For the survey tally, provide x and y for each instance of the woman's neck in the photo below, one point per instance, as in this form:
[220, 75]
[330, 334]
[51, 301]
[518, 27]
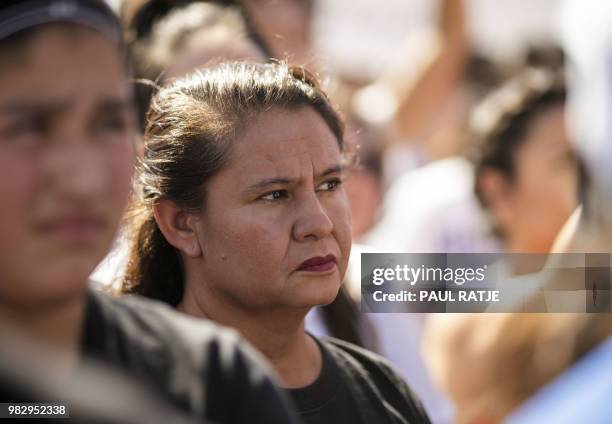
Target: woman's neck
[278, 334]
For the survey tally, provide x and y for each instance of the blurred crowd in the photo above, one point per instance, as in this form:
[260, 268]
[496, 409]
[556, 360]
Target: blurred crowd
[188, 186]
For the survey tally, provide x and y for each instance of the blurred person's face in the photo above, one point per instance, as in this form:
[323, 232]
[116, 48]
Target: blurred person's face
[275, 230]
[200, 49]
[365, 196]
[532, 207]
[364, 187]
[66, 158]
[283, 24]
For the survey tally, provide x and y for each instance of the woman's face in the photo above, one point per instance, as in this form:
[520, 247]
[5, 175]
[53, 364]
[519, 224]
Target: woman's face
[283, 24]
[275, 229]
[66, 159]
[202, 47]
[543, 193]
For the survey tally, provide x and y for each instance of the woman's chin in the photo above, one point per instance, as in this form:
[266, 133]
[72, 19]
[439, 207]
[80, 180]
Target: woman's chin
[316, 294]
[37, 291]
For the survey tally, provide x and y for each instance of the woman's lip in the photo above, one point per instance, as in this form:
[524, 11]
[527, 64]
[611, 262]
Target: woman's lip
[74, 229]
[318, 264]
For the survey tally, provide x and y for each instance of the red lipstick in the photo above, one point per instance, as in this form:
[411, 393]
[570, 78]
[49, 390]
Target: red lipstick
[318, 264]
[74, 229]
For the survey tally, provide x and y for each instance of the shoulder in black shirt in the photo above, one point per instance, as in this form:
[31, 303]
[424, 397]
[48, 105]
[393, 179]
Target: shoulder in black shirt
[206, 371]
[356, 386]
[92, 393]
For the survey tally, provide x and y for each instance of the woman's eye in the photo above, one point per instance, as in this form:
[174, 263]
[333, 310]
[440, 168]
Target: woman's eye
[111, 125]
[27, 128]
[330, 185]
[275, 195]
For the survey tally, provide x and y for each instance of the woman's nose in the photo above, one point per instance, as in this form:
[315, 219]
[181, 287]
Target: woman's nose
[312, 221]
[76, 171]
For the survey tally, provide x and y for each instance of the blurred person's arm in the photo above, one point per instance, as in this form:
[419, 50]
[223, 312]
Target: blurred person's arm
[440, 76]
[567, 236]
[490, 364]
[417, 101]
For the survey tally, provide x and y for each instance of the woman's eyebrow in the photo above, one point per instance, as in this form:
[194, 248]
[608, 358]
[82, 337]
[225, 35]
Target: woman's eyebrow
[335, 169]
[24, 107]
[263, 184]
[53, 107]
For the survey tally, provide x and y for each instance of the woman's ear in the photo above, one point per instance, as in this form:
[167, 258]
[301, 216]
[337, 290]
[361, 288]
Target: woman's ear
[495, 189]
[178, 226]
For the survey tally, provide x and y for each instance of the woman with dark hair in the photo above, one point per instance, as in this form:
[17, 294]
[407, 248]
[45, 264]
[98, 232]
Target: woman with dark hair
[241, 218]
[527, 174]
[66, 160]
[172, 39]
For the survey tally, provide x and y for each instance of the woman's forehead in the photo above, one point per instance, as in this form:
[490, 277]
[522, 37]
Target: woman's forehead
[285, 133]
[547, 131]
[28, 48]
[56, 61]
[285, 144]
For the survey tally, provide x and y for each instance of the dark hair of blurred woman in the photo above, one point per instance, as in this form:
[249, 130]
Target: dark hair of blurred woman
[527, 174]
[67, 153]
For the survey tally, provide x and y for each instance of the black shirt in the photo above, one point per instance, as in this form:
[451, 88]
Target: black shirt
[90, 394]
[206, 371]
[356, 387]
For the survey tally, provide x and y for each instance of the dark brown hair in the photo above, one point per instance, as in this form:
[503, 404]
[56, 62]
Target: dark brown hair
[188, 137]
[14, 48]
[501, 122]
[157, 30]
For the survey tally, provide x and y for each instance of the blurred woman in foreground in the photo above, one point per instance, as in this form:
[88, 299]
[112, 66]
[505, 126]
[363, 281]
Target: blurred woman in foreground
[67, 128]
